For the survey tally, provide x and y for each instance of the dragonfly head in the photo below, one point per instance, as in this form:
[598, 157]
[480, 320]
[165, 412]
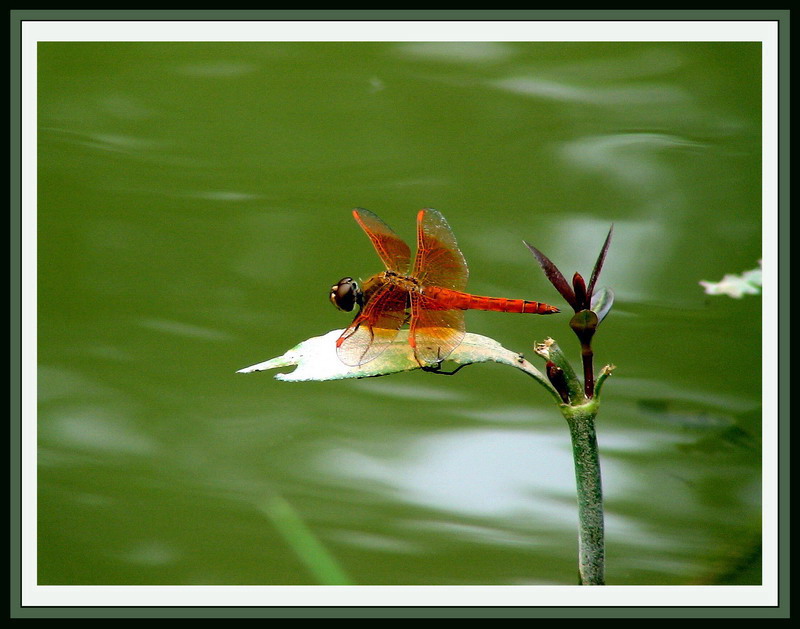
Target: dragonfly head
[345, 294]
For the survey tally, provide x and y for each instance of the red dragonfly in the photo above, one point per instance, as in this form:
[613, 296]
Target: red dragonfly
[430, 298]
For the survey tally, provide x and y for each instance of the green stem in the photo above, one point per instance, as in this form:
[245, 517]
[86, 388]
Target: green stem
[587, 355]
[537, 375]
[605, 372]
[591, 545]
[550, 350]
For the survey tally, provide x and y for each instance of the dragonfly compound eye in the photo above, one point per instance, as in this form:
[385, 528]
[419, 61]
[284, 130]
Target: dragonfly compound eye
[345, 294]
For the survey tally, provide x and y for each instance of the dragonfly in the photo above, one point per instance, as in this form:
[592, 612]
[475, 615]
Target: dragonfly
[429, 296]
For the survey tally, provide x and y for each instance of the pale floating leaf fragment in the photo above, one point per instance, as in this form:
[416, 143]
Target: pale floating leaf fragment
[316, 359]
[736, 286]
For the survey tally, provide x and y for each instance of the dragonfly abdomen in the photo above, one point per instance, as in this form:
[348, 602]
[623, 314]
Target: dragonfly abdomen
[457, 300]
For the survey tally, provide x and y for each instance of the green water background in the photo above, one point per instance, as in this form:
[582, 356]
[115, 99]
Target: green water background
[193, 212]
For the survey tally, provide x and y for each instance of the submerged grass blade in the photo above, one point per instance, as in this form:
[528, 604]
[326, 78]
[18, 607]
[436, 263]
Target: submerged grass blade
[311, 552]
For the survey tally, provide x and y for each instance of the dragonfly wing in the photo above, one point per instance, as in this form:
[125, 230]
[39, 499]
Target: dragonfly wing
[375, 327]
[390, 247]
[435, 331]
[439, 261]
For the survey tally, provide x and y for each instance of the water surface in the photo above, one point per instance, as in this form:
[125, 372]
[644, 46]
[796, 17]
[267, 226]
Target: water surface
[194, 210]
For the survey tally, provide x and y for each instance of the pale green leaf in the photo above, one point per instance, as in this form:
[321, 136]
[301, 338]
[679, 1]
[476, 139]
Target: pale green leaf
[316, 359]
[602, 300]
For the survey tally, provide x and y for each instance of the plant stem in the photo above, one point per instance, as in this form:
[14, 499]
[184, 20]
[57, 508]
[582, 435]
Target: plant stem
[591, 546]
[549, 350]
[587, 356]
[537, 375]
[605, 372]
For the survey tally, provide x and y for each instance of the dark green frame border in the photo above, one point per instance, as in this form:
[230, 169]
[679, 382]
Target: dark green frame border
[781, 17]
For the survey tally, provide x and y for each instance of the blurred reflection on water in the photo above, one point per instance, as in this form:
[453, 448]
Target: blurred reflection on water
[478, 474]
[193, 211]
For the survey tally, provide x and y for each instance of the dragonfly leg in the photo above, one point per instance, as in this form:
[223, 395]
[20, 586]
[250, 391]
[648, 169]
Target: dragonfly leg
[437, 369]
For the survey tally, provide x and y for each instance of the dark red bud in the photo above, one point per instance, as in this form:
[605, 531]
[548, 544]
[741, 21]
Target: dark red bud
[579, 286]
[557, 378]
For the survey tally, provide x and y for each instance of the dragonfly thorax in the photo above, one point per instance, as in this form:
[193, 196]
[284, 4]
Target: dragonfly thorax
[345, 294]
